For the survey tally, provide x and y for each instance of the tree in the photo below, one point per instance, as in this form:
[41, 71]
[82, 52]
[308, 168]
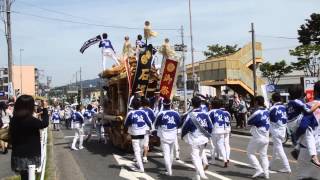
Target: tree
[216, 50]
[308, 51]
[273, 72]
[309, 33]
[308, 59]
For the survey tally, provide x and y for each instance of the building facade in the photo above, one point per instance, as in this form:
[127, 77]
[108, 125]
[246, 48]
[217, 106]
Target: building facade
[4, 83]
[24, 79]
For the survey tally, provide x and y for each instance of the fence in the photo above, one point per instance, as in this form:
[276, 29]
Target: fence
[41, 169]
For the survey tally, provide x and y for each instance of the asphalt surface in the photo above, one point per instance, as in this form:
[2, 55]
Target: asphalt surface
[5, 165]
[100, 161]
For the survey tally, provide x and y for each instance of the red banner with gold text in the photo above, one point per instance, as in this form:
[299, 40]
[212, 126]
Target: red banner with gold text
[168, 77]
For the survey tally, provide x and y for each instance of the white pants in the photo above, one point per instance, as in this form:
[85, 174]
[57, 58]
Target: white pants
[137, 145]
[177, 147]
[227, 145]
[167, 149]
[258, 146]
[197, 157]
[305, 169]
[212, 148]
[278, 152]
[308, 140]
[219, 141]
[77, 135]
[106, 55]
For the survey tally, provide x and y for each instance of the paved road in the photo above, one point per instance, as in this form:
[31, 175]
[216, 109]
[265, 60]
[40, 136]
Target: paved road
[100, 161]
[5, 169]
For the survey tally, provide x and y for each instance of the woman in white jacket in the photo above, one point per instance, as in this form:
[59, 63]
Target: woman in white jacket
[5, 118]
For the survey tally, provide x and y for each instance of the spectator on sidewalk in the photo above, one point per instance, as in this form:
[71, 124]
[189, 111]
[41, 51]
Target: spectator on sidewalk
[67, 117]
[242, 113]
[5, 116]
[25, 135]
[235, 109]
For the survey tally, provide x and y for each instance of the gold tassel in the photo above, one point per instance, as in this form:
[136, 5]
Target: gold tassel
[148, 33]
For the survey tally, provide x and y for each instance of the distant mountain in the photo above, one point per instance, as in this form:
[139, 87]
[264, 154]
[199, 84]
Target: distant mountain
[97, 82]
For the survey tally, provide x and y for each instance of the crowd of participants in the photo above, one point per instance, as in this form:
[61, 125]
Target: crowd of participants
[208, 125]
[84, 120]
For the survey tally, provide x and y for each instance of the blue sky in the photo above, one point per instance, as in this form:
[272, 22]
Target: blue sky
[54, 46]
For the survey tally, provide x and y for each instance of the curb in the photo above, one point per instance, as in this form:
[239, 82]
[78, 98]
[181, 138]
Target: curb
[244, 133]
[50, 168]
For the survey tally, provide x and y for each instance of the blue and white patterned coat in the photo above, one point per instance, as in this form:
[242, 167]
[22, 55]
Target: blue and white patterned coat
[191, 134]
[137, 122]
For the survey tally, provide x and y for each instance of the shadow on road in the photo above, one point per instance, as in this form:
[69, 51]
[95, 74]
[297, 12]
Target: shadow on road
[95, 147]
[235, 174]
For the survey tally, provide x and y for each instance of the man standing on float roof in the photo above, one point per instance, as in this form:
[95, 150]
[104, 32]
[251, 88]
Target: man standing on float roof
[107, 50]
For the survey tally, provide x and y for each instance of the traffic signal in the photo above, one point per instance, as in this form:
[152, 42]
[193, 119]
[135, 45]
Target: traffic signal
[17, 92]
[79, 96]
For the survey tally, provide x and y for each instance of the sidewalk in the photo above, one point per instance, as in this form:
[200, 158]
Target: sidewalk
[66, 166]
[5, 165]
[240, 131]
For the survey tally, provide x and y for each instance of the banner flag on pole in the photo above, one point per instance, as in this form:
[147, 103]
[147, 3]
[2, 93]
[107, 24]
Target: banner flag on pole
[168, 78]
[89, 43]
[128, 70]
[141, 78]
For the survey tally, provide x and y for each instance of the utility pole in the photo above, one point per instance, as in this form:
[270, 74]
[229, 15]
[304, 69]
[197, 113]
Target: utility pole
[8, 36]
[184, 72]
[192, 55]
[21, 71]
[81, 92]
[254, 60]
[77, 79]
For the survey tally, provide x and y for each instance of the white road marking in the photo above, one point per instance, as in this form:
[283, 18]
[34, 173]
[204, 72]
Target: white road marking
[239, 162]
[66, 137]
[126, 174]
[241, 136]
[207, 172]
[130, 174]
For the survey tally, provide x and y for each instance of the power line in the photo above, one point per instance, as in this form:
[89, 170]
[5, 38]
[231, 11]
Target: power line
[89, 22]
[71, 21]
[54, 11]
[279, 48]
[277, 37]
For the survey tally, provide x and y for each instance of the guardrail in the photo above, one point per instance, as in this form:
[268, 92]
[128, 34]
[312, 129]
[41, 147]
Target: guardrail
[41, 169]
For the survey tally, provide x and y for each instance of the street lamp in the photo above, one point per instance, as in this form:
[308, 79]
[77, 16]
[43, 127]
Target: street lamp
[192, 54]
[21, 70]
